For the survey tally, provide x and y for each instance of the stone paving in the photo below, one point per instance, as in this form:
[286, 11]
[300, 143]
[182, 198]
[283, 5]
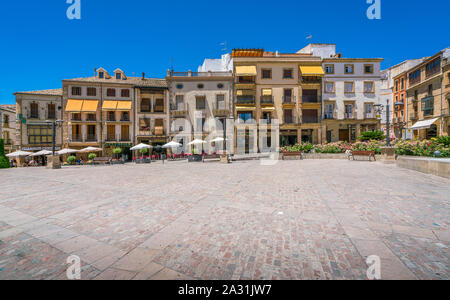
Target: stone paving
[310, 219]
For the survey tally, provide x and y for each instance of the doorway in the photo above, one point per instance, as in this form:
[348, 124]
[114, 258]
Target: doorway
[344, 135]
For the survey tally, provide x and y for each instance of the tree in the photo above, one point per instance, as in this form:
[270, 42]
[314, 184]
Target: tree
[117, 151]
[372, 135]
[4, 161]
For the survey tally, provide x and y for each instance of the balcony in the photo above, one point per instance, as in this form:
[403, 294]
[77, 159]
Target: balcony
[288, 100]
[111, 138]
[125, 119]
[370, 115]
[91, 119]
[221, 112]
[399, 103]
[125, 138]
[91, 138]
[289, 120]
[76, 138]
[111, 119]
[310, 79]
[414, 116]
[158, 109]
[33, 115]
[349, 116]
[51, 116]
[75, 118]
[310, 99]
[310, 120]
[245, 100]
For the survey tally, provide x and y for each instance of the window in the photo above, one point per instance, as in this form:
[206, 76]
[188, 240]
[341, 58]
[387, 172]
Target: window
[200, 102]
[125, 116]
[329, 87]
[144, 124]
[402, 84]
[111, 116]
[369, 110]
[310, 96]
[266, 73]
[125, 93]
[6, 121]
[220, 86]
[368, 69]
[200, 85]
[349, 87]
[145, 105]
[428, 106]
[430, 90]
[329, 111]
[101, 75]
[349, 69]
[76, 117]
[51, 111]
[111, 92]
[368, 87]
[76, 91]
[39, 134]
[288, 116]
[288, 73]
[396, 85]
[414, 77]
[433, 67]
[220, 99]
[416, 95]
[91, 117]
[91, 134]
[179, 86]
[329, 69]
[179, 102]
[310, 116]
[34, 110]
[200, 124]
[91, 91]
[159, 105]
[287, 96]
[118, 76]
[267, 116]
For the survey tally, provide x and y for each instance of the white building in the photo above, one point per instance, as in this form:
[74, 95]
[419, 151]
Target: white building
[8, 126]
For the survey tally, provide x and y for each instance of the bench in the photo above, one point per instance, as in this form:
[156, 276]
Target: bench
[103, 160]
[369, 154]
[292, 154]
[210, 156]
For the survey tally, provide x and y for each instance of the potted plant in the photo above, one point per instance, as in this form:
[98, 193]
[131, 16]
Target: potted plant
[71, 160]
[91, 157]
[117, 152]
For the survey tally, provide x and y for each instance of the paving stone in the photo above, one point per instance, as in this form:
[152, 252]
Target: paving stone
[136, 260]
[114, 274]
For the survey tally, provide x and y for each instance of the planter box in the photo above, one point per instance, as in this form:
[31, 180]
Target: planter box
[435, 166]
[292, 156]
[195, 158]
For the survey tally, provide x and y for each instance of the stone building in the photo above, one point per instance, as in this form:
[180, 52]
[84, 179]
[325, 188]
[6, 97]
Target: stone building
[200, 103]
[351, 89]
[8, 127]
[276, 94]
[33, 109]
[428, 97]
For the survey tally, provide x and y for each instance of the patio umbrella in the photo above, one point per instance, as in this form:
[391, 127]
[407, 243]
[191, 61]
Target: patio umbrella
[172, 144]
[40, 153]
[197, 142]
[91, 149]
[18, 154]
[67, 151]
[217, 139]
[141, 146]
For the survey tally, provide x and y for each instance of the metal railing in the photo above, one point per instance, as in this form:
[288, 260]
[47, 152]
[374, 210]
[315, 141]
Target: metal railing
[310, 99]
[245, 100]
[266, 99]
[289, 99]
[76, 138]
[328, 116]
[91, 138]
[348, 115]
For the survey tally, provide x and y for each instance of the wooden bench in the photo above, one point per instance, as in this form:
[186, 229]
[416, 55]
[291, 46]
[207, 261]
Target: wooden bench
[210, 156]
[103, 160]
[291, 154]
[362, 153]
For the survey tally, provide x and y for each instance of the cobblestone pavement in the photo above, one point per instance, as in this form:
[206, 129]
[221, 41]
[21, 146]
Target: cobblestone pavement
[311, 219]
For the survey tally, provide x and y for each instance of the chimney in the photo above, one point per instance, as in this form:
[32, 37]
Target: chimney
[143, 75]
[95, 71]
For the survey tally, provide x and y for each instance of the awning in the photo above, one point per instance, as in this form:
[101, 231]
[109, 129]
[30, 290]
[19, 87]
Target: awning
[245, 93]
[74, 105]
[267, 92]
[123, 105]
[268, 108]
[312, 71]
[245, 108]
[109, 105]
[89, 106]
[424, 124]
[246, 71]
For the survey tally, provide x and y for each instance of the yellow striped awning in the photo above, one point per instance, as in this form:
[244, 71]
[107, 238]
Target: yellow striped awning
[246, 71]
[89, 106]
[74, 105]
[312, 71]
[109, 105]
[123, 105]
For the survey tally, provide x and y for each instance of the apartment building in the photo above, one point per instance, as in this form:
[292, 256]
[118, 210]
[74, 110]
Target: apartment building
[200, 104]
[34, 109]
[100, 111]
[428, 96]
[285, 87]
[8, 126]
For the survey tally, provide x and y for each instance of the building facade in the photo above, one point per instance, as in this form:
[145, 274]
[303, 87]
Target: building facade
[200, 104]
[428, 100]
[277, 99]
[34, 109]
[8, 127]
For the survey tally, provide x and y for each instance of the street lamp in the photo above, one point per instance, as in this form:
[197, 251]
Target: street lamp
[54, 123]
[379, 108]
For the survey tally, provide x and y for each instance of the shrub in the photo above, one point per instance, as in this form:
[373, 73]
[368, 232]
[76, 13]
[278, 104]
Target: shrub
[71, 159]
[372, 135]
[444, 140]
[4, 161]
[91, 156]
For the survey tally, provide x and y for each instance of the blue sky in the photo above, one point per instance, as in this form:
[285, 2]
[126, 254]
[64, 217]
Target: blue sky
[40, 46]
